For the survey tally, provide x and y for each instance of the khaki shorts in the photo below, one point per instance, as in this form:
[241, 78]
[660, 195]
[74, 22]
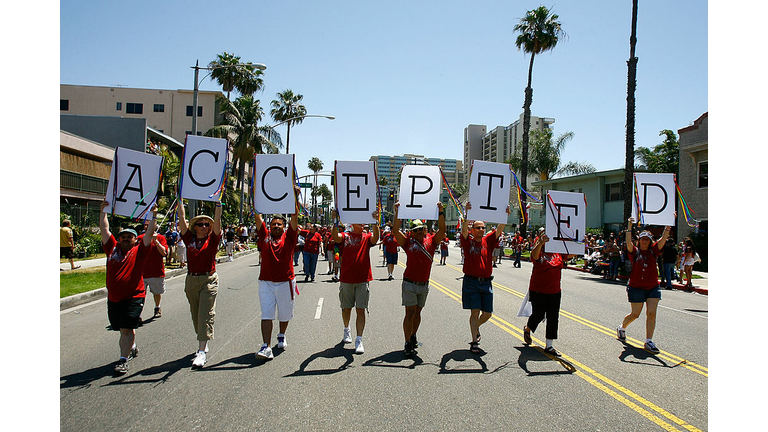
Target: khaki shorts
[354, 295]
[155, 285]
[415, 294]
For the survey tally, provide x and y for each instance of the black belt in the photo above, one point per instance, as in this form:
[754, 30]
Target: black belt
[416, 283]
[479, 279]
[210, 273]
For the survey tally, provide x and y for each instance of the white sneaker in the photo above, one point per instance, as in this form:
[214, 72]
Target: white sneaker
[359, 346]
[265, 352]
[347, 335]
[281, 343]
[200, 359]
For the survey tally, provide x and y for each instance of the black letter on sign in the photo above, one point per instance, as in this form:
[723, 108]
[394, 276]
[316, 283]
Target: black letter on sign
[192, 161]
[487, 206]
[645, 198]
[356, 191]
[413, 189]
[140, 190]
[567, 222]
[263, 176]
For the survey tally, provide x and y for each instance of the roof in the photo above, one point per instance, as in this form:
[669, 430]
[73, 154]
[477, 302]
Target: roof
[163, 138]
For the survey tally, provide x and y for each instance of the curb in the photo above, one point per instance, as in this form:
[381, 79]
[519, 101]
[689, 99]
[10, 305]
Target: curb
[97, 294]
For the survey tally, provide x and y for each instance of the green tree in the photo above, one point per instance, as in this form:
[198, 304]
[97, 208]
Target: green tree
[664, 157]
[314, 164]
[246, 79]
[540, 31]
[544, 157]
[288, 108]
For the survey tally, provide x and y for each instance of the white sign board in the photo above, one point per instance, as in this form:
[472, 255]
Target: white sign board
[565, 223]
[204, 162]
[356, 191]
[273, 184]
[489, 187]
[656, 195]
[133, 183]
[419, 192]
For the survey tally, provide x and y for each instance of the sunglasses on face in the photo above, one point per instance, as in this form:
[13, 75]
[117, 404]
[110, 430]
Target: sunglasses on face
[480, 228]
[203, 224]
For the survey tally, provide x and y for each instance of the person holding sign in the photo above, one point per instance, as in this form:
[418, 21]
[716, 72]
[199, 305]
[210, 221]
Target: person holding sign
[544, 292]
[201, 238]
[419, 248]
[355, 275]
[125, 284]
[643, 286]
[277, 282]
[476, 290]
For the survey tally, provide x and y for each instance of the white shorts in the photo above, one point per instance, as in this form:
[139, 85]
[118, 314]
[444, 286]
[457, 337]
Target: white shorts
[155, 285]
[276, 295]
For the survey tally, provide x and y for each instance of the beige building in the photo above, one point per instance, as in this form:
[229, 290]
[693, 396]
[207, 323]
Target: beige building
[167, 111]
[693, 177]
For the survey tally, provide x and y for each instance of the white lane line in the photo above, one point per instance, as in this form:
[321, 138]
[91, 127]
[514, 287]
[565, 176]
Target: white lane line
[319, 310]
[685, 312]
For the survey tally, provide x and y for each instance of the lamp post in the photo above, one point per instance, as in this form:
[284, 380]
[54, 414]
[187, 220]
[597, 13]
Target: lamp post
[196, 88]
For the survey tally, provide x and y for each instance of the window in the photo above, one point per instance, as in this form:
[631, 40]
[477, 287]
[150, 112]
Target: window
[134, 108]
[703, 175]
[64, 104]
[119, 106]
[613, 192]
[199, 111]
[159, 108]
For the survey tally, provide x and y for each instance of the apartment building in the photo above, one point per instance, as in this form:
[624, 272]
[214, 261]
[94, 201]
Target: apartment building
[693, 177]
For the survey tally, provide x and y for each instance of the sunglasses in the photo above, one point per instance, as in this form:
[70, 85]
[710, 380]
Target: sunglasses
[480, 228]
[203, 224]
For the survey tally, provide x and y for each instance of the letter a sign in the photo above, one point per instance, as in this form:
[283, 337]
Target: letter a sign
[356, 191]
[133, 182]
[203, 168]
[489, 186]
[655, 194]
[273, 184]
[419, 192]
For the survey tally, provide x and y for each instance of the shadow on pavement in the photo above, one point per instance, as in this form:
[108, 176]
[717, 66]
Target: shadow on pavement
[461, 356]
[640, 355]
[537, 354]
[337, 351]
[395, 359]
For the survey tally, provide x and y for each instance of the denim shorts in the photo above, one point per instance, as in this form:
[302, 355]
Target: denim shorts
[637, 295]
[477, 295]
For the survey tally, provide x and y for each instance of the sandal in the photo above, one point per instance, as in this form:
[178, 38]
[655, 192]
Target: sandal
[527, 335]
[478, 337]
[474, 348]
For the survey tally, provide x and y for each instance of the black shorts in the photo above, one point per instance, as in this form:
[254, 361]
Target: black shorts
[67, 252]
[125, 314]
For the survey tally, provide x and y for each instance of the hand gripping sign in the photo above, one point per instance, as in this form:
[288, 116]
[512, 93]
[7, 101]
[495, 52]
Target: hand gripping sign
[273, 184]
[356, 191]
[489, 186]
[565, 223]
[203, 168]
[419, 192]
[654, 195]
[133, 183]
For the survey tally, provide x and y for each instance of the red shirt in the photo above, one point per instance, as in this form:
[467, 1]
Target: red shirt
[155, 265]
[312, 242]
[644, 274]
[277, 255]
[546, 274]
[478, 256]
[444, 243]
[390, 243]
[419, 264]
[124, 271]
[201, 253]
[355, 258]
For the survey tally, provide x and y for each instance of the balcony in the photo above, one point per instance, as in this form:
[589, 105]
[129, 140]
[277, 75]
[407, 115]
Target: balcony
[82, 182]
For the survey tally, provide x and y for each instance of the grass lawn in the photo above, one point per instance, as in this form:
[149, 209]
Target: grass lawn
[78, 281]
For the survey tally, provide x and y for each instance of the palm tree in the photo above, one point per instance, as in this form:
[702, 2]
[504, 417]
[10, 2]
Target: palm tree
[314, 164]
[545, 156]
[245, 79]
[286, 108]
[630, 145]
[540, 31]
[241, 128]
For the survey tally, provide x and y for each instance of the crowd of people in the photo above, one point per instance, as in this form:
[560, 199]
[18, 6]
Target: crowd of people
[136, 266]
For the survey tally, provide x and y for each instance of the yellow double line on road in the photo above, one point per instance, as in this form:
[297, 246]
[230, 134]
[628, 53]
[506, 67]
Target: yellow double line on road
[629, 398]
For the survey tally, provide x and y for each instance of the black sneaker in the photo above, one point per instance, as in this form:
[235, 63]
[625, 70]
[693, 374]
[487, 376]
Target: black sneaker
[134, 353]
[121, 368]
[414, 341]
[408, 350]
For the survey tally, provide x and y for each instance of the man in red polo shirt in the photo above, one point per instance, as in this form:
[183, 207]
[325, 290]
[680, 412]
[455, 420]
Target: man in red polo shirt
[419, 247]
[125, 285]
[476, 289]
[154, 269]
[277, 283]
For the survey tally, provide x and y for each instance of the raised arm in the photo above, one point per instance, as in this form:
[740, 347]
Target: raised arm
[441, 227]
[182, 217]
[335, 235]
[295, 216]
[217, 219]
[628, 238]
[465, 223]
[104, 223]
[151, 227]
[376, 230]
[396, 227]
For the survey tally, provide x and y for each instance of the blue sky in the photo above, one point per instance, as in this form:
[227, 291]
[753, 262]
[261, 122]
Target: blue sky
[408, 77]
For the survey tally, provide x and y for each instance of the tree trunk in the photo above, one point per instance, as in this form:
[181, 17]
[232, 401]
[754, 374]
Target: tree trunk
[526, 130]
[629, 166]
[288, 139]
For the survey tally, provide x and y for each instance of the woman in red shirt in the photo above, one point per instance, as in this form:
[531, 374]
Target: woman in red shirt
[643, 286]
[202, 239]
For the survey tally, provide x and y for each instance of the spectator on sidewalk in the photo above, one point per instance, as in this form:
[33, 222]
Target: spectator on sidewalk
[689, 255]
[668, 261]
[154, 269]
[643, 286]
[67, 243]
[201, 286]
[126, 257]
